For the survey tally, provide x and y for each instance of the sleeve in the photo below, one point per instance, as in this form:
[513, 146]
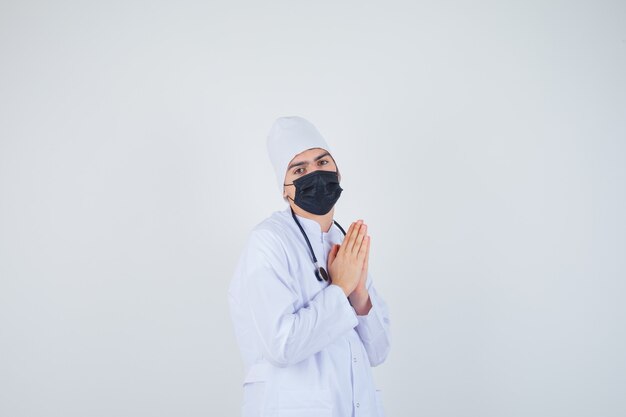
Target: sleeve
[286, 335]
[374, 328]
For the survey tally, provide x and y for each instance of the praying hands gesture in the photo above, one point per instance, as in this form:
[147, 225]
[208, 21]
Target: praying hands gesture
[347, 264]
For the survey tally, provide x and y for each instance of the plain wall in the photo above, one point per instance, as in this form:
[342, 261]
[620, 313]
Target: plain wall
[483, 143]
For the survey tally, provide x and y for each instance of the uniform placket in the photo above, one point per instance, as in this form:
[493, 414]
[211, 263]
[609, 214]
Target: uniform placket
[324, 252]
[355, 365]
[356, 360]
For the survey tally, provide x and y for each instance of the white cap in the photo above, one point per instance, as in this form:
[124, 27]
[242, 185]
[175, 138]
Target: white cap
[288, 137]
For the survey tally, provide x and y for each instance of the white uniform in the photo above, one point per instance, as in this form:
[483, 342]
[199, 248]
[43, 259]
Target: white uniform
[305, 350]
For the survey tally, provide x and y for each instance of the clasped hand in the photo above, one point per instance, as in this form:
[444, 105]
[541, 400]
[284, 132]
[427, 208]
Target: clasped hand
[347, 263]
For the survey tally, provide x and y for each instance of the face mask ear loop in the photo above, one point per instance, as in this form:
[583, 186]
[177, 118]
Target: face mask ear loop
[287, 185]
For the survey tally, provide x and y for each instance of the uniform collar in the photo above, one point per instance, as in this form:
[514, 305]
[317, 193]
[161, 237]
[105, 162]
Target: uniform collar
[313, 228]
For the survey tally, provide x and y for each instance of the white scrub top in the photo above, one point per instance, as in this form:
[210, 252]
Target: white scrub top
[306, 352]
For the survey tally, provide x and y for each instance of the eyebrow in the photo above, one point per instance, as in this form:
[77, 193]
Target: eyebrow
[317, 158]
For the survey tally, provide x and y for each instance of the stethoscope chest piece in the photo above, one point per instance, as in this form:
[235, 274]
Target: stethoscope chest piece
[321, 274]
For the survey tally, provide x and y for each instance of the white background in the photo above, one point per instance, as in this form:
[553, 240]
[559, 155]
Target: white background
[483, 142]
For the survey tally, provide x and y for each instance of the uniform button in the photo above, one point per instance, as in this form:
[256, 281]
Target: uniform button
[354, 359]
[358, 405]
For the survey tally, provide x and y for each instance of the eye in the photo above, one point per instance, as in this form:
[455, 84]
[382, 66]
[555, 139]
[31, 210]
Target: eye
[322, 162]
[298, 171]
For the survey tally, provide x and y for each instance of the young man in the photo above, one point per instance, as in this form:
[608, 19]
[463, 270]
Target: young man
[307, 317]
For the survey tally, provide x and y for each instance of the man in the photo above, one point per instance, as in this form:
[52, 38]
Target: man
[307, 317]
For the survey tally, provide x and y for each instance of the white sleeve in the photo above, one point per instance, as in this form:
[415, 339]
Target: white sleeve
[374, 328]
[287, 336]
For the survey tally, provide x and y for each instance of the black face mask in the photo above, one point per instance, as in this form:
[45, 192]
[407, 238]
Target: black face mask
[317, 192]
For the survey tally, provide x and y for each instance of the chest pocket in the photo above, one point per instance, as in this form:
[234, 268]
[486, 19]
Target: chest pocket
[305, 403]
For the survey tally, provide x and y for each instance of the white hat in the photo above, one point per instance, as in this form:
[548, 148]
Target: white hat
[288, 137]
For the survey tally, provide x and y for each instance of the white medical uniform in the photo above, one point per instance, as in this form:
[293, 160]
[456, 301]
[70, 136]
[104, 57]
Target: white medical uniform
[306, 351]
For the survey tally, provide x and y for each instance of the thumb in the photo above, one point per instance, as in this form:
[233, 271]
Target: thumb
[333, 253]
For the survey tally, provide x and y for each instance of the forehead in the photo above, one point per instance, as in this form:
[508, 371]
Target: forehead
[308, 155]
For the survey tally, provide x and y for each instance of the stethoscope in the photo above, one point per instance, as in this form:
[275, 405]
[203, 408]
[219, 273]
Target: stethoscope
[320, 272]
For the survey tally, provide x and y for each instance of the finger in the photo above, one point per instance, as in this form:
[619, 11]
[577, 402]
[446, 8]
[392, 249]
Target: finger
[358, 242]
[346, 238]
[352, 236]
[364, 249]
[367, 253]
[333, 254]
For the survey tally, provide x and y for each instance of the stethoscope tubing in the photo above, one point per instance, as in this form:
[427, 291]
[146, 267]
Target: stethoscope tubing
[320, 272]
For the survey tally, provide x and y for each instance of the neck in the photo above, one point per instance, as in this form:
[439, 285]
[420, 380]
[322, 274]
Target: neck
[325, 221]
